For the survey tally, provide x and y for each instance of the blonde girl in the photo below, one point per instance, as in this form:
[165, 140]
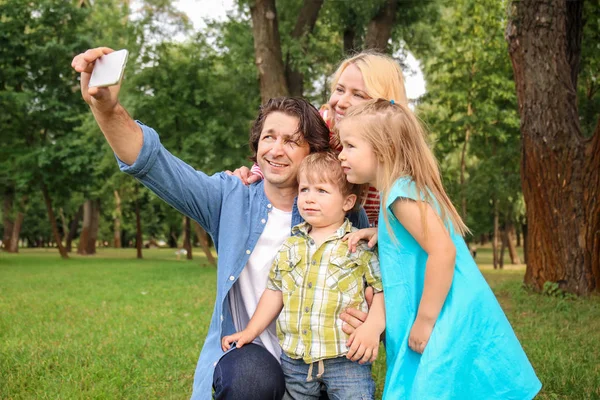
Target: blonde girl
[446, 335]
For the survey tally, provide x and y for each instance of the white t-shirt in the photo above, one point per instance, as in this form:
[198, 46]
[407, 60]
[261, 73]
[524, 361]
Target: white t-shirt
[246, 292]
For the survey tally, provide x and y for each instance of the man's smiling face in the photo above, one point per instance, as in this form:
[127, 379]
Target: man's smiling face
[281, 149]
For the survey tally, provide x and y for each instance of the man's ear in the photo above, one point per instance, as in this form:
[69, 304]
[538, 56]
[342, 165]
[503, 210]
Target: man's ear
[349, 202]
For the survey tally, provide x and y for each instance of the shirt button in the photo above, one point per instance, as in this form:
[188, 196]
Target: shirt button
[306, 309]
[248, 251]
[222, 318]
[215, 364]
[314, 262]
[269, 206]
[304, 332]
[263, 220]
[310, 285]
[232, 278]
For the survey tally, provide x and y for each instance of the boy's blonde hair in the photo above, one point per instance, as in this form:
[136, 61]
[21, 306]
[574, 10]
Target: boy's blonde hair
[325, 167]
[381, 73]
[400, 144]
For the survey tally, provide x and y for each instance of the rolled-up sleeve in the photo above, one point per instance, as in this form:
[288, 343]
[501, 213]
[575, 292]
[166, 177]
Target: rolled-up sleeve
[191, 192]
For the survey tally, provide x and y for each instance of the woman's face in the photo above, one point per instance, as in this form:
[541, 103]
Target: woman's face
[349, 91]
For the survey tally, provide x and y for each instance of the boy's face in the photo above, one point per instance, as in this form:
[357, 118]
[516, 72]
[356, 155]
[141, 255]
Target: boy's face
[321, 203]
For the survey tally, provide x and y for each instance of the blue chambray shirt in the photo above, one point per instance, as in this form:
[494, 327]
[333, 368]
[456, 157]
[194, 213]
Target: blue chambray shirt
[233, 214]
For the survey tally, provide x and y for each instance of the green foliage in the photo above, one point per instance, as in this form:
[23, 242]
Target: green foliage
[588, 82]
[470, 89]
[195, 98]
[553, 289]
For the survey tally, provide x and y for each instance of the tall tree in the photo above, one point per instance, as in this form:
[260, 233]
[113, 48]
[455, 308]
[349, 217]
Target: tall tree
[471, 109]
[267, 50]
[294, 40]
[560, 166]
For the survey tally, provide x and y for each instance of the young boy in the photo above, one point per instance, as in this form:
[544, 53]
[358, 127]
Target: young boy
[314, 278]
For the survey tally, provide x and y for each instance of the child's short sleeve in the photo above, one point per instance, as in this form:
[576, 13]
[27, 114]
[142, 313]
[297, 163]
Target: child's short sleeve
[403, 188]
[372, 272]
[274, 281]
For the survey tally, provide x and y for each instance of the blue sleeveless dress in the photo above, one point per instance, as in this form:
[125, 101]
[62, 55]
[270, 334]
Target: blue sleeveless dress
[473, 352]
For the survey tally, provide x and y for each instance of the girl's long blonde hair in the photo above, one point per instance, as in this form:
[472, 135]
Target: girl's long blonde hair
[400, 144]
[381, 73]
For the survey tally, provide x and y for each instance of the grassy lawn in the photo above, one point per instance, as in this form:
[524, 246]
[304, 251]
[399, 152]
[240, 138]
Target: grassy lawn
[113, 327]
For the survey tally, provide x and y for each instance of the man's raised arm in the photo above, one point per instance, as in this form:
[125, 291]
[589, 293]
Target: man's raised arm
[122, 133]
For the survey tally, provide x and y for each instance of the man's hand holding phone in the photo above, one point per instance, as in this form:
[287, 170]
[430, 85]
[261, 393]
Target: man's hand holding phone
[100, 88]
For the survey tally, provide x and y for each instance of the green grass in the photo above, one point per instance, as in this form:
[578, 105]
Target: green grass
[113, 327]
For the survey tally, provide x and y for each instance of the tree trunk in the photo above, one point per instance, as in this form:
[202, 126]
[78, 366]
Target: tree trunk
[379, 30]
[52, 218]
[484, 239]
[349, 38]
[6, 221]
[496, 237]
[93, 233]
[524, 230]
[73, 228]
[63, 221]
[173, 238]
[304, 27]
[509, 233]
[463, 159]
[203, 238]
[518, 235]
[267, 50]
[503, 245]
[560, 169]
[138, 224]
[187, 237]
[86, 225]
[117, 221]
[16, 232]
[463, 168]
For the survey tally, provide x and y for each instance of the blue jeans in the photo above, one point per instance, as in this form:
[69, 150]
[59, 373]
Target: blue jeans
[249, 373]
[343, 379]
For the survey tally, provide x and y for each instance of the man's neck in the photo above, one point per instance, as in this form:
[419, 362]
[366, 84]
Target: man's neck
[281, 198]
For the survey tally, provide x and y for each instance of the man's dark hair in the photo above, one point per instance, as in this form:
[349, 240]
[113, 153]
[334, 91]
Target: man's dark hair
[311, 127]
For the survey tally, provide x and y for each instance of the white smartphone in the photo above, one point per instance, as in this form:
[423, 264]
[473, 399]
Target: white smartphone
[108, 69]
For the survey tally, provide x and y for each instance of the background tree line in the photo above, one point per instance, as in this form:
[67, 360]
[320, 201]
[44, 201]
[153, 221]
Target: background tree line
[492, 131]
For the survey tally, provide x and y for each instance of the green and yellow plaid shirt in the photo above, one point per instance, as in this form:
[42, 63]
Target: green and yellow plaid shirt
[318, 284]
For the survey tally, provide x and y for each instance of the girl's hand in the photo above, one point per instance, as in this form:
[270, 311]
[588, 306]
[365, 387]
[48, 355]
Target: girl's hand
[239, 338]
[363, 344]
[244, 174]
[420, 334]
[353, 238]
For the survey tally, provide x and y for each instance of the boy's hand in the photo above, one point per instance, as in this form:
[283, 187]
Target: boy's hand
[363, 344]
[420, 334]
[353, 238]
[239, 338]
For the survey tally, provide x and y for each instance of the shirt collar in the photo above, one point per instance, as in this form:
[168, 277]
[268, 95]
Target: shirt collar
[304, 228]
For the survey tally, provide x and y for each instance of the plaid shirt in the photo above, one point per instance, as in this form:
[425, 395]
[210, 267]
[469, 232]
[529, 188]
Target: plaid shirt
[318, 284]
